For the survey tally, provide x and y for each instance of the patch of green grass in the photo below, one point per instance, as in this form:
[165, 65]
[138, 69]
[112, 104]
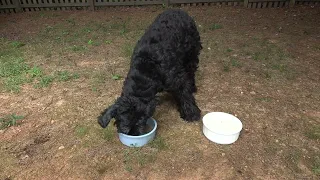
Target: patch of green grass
[137, 156]
[77, 48]
[87, 30]
[35, 72]
[226, 67]
[124, 29]
[271, 59]
[116, 77]
[229, 50]
[10, 120]
[316, 165]
[280, 67]
[71, 21]
[94, 89]
[94, 43]
[13, 70]
[292, 159]
[81, 131]
[313, 132]
[235, 62]
[257, 56]
[17, 44]
[115, 25]
[108, 134]
[127, 161]
[13, 83]
[12, 66]
[127, 50]
[90, 42]
[264, 99]
[104, 29]
[66, 76]
[215, 26]
[108, 41]
[159, 143]
[48, 29]
[44, 81]
[99, 77]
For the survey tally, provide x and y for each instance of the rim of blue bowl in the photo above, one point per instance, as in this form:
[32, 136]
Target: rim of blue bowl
[144, 135]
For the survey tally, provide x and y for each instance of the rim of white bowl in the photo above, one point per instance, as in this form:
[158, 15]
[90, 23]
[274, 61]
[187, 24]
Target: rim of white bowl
[144, 135]
[238, 121]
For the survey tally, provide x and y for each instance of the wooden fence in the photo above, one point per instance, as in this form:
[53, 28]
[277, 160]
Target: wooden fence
[8, 6]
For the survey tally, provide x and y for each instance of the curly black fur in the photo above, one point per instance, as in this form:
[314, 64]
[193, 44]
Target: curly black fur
[164, 59]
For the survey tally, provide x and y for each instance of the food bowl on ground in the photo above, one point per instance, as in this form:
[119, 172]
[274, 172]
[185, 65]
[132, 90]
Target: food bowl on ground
[138, 141]
[221, 128]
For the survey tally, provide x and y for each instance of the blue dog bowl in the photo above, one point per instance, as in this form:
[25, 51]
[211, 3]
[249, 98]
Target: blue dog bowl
[138, 141]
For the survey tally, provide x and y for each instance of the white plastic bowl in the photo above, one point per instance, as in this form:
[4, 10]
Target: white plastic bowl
[138, 141]
[221, 128]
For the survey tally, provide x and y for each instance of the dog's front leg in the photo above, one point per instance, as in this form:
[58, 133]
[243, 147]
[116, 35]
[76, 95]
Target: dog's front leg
[189, 111]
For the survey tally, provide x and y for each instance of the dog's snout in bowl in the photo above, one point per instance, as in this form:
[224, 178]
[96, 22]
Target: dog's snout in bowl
[141, 140]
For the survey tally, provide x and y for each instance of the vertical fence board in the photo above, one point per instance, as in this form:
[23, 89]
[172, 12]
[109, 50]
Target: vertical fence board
[281, 4]
[91, 3]
[17, 5]
[246, 3]
[275, 4]
[254, 5]
[264, 4]
[286, 4]
[292, 2]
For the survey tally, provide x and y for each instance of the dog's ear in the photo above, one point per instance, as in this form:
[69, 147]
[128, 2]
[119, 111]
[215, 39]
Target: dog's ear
[106, 116]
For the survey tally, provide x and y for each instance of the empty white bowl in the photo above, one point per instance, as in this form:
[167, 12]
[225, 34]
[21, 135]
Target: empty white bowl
[221, 128]
[138, 141]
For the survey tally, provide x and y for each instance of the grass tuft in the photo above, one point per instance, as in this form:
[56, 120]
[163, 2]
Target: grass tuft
[10, 120]
[159, 143]
[81, 131]
[313, 132]
[127, 50]
[215, 26]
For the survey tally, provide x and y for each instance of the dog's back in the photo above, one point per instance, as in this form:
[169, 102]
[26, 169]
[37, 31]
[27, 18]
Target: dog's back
[171, 29]
[169, 43]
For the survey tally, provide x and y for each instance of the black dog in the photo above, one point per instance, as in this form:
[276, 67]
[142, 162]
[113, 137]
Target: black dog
[164, 59]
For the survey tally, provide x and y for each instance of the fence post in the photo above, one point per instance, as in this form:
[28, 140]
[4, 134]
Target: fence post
[167, 2]
[292, 3]
[17, 5]
[91, 4]
[246, 3]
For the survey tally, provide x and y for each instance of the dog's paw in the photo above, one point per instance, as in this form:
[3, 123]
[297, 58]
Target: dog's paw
[102, 122]
[190, 116]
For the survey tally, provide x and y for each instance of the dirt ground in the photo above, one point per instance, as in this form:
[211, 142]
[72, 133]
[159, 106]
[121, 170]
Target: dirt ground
[263, 65]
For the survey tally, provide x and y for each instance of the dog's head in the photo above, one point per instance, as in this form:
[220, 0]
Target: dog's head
[130, 115]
